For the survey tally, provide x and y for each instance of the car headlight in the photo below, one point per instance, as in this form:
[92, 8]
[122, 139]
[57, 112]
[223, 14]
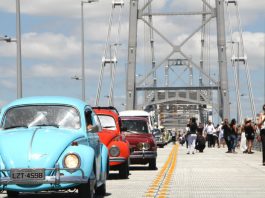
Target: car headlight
[143, 146]
[114, 151]
[71, 160]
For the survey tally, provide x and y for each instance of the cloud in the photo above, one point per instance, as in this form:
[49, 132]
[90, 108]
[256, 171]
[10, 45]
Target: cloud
[49, 46]
[62, 8]
[44, 46]
[53, 71]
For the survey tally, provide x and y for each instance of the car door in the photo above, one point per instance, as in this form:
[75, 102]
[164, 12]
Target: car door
[93, 126]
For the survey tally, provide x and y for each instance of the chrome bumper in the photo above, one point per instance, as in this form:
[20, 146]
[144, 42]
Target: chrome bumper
[143, 154]
[117, 159]
[56, 179]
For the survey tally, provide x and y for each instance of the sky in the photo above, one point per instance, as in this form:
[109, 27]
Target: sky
[51, 47]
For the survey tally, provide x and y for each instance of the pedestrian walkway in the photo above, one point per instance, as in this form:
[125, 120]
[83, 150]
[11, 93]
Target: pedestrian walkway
[217, 174]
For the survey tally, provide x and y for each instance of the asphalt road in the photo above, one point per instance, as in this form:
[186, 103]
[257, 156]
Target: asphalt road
[137, 185]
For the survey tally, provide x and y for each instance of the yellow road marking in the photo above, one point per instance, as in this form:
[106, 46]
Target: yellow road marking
[161, 184]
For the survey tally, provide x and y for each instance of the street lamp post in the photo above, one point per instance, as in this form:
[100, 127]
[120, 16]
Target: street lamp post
[83, 48]
[18, 39]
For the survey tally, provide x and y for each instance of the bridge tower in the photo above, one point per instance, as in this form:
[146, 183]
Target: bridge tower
[163, 97]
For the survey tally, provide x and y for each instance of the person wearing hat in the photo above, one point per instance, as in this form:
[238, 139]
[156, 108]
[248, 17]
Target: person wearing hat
[249, 129]
[261, 125]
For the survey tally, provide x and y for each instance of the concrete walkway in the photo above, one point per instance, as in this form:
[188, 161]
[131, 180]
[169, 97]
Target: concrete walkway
[215, 173]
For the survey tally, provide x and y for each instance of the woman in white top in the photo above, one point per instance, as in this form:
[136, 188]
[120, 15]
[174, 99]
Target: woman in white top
[261, 125]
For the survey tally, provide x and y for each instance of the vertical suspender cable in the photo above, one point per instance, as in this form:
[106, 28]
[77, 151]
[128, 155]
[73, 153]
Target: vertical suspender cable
[113, 73]
[103, 59]
[253, 108]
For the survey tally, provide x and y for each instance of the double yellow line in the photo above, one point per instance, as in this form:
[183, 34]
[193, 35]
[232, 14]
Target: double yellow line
[161, 184]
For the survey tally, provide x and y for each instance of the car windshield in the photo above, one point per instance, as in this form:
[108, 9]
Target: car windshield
[139, 126]
[42, 115]
[107, 122]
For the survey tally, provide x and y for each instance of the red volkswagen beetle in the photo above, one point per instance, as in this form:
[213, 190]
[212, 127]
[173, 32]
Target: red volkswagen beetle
[142, 142]
[119, 148]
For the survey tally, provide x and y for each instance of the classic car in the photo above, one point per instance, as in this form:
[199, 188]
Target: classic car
[119, 149]
[142, 143]
[45, 145]
[139, 113]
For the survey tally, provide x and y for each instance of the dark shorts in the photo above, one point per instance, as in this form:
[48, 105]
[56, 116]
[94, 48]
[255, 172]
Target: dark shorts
[250, 136]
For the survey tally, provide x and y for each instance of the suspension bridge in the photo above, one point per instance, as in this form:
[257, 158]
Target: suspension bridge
[178, 83]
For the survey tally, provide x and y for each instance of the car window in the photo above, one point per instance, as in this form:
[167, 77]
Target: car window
[42, 115]
[107, 122]
[135, 126]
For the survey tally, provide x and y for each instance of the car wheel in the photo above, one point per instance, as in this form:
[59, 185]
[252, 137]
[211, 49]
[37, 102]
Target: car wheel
[12, 194]
[101, 190]
[152, 164]
[86, 190]
[124, 170]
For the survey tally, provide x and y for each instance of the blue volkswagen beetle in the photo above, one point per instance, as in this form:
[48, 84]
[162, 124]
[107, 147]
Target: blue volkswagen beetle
[51, 143]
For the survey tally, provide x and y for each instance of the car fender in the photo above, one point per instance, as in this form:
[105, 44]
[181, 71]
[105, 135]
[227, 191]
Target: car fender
[124, 147]
[104, 157]
[87, 156]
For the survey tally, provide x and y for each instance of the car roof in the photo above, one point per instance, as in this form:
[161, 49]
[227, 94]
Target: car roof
[47, 100]
[134, 113]
[133, 118]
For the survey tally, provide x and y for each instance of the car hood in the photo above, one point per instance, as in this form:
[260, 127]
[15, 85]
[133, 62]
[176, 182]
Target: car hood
[34, 148]
[106, 136]
[135, 138]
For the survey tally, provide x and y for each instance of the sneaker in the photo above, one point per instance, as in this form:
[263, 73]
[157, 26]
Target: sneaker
[228, 152]
[193, 153]
[250, 152]
[246, 151]
[188, 153]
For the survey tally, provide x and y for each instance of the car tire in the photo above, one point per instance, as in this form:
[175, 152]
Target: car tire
[124, 170]
[86, 191]
[101, 190]
[12, 194]
[152, 164]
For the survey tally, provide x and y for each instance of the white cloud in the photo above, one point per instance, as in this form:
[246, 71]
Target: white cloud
[49, 46]
[8, 84]
[51, 71]
[64, 8]
[44, 46]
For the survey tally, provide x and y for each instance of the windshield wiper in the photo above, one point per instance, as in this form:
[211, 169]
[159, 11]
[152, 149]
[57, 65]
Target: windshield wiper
[107, 127]
[16, 126]
[52, 125]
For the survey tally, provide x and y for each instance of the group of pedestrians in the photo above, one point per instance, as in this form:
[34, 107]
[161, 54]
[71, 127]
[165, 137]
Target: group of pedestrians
[227, 133]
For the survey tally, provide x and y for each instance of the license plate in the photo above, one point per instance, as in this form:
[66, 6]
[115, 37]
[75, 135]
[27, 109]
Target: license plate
[27, 174]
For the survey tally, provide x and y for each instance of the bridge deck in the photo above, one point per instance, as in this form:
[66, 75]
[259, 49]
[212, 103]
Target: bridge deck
[215, 173]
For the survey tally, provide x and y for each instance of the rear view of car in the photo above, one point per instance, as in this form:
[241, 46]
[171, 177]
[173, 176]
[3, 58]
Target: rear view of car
[142, 142]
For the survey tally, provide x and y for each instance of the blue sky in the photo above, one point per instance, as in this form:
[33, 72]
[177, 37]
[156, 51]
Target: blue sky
[51, 47]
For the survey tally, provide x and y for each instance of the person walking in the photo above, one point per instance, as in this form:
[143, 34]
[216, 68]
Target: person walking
[200, 141]
[261, 125]
[250, 135]
[209, 130]
[234, 131]
[221, 135]
[227, 135]
[192, 136]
